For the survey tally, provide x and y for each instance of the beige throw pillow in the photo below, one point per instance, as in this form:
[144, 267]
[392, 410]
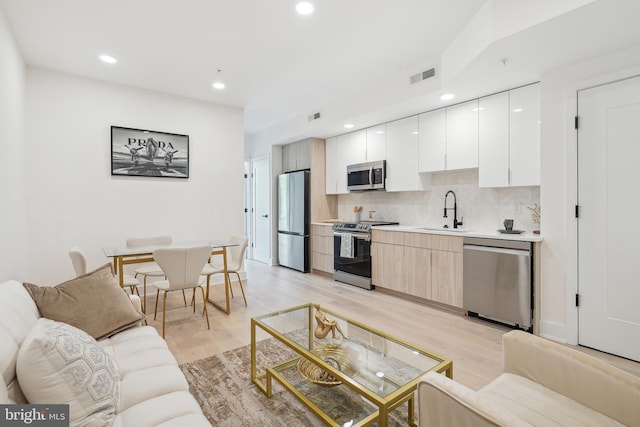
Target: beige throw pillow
[60, 364]
[93, 302]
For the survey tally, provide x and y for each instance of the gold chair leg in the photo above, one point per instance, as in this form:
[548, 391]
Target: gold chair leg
[193, 300]
[184, 297]
[241, 287]
[164, 311]
[144, 296]
[230, 287]
[155, 312]
[207, 297]
[204, 302]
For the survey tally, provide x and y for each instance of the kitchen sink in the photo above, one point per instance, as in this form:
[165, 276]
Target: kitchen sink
[455, 230]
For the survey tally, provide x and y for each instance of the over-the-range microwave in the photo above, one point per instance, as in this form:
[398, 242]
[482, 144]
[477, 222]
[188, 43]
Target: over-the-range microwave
[367, 176]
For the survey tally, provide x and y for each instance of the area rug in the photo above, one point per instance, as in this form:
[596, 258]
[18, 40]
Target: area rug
[222, 386]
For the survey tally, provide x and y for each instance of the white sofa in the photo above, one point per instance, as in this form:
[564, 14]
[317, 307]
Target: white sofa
[543, 384]
[153, 390]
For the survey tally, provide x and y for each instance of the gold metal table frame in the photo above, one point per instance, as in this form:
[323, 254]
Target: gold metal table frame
[144, 254]
[385, 404]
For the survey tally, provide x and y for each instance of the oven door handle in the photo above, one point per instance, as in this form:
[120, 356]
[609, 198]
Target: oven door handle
[365, 237]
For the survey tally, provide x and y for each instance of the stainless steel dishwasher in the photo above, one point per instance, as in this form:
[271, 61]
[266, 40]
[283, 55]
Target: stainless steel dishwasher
[497, 280]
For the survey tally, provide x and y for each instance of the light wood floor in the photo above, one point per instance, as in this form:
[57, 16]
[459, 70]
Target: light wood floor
[473, 345]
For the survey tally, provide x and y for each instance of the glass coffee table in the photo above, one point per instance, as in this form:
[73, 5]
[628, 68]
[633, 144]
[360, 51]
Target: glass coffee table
[353, 381]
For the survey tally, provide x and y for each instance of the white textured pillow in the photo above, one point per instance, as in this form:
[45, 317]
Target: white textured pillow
[58, 363]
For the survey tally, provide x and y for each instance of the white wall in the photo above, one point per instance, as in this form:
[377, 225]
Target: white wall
[558, 190]
[13, 208]
[74, 200]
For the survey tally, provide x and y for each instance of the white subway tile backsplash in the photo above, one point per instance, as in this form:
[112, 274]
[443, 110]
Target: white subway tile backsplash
[482, 208]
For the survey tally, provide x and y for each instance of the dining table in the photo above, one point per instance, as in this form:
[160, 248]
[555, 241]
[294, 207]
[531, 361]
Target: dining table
[124, 255]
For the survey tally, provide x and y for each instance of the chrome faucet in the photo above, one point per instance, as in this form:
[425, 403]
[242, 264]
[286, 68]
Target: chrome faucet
[456, 223]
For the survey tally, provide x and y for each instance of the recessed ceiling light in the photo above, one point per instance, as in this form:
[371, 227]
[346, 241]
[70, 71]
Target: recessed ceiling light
[517, 110]
[415, 132]
[349, 125]
[477, 109]
[447, 96]
[108, 59]
[379, 132]
[304, 8]
[218, 85]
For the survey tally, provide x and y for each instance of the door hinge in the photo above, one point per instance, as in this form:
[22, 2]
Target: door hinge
[577, 300]
[246, 176]
[246, 210]
[576, 121]
[577, 211]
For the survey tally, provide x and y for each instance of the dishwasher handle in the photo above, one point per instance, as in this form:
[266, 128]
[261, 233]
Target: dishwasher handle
[518, 252]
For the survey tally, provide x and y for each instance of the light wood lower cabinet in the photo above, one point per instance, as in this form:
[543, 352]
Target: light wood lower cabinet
[322, 248]
[424, 265]
[387, 266]
[418, 272]
[446, 278]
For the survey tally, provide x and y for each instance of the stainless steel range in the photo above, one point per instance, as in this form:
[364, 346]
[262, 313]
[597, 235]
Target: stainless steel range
[352, 252]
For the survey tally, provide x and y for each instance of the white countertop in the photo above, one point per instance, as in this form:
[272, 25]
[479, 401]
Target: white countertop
[491, 234]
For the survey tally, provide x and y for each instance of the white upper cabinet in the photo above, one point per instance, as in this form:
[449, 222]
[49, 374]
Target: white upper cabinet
[340, 152]
[354, 148]
[462, 136]
[493, 154]
[376, 143]
[331, 166]
[509, 148]
[344, 157]
[433, 140]
[402, 155]
[524, 135]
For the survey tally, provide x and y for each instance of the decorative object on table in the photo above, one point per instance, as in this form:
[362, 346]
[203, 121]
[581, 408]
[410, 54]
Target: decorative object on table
[357, 210]
[535, 215]
[326, 325]
[138, 152]
[508, 224]
[508, 228]
[341, 358]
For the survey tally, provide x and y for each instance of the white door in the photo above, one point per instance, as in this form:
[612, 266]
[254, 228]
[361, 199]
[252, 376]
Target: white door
[608, 231]
[261, 219]
[248, 231]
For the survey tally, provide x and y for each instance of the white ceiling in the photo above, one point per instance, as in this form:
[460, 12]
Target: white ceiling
[279, 66]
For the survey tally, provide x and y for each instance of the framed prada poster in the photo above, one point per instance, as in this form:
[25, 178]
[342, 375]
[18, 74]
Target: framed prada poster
[139, 152]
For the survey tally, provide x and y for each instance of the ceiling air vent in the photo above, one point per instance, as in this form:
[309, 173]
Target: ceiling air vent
[424, 75]
[314, 116]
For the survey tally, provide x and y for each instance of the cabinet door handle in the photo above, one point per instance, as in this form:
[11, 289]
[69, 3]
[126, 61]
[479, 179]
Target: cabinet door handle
[265, 216]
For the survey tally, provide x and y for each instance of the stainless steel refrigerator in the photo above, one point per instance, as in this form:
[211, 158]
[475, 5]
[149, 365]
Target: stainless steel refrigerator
[293, 220]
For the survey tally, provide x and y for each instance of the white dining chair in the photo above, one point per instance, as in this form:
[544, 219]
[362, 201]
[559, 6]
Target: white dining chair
[235, 259]
[182, 267]
[79, 262]
[150, 269]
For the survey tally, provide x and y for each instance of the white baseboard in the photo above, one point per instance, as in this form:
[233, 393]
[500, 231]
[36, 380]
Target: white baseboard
[553, 331]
